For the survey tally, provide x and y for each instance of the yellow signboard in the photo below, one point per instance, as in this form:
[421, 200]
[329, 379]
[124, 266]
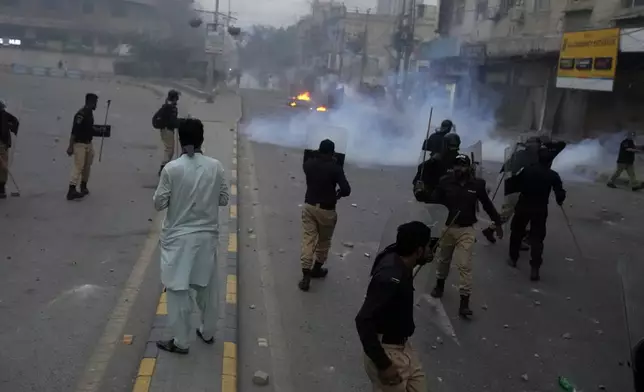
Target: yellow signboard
[588, 60]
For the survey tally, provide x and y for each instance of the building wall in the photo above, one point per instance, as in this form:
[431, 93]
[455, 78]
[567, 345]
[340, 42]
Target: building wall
[87, 64]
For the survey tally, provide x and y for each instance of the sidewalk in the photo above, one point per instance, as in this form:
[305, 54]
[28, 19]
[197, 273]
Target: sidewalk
[206, 367]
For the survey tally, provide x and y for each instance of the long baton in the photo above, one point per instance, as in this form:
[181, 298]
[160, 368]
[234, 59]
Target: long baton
[621, 273]
[438, 242]
[100, 153]
[429, 127]
[572, 233]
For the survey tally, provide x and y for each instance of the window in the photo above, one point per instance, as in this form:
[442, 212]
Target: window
[541, 5]
[118, 9]
[459, 12]
[88, 6]
[481, 9]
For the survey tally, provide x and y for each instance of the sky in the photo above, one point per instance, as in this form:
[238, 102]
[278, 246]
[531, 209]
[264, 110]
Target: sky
[274, 12]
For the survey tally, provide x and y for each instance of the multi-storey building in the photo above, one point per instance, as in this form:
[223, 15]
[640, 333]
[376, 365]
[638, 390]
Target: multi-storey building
[504, 54]
[81, 36]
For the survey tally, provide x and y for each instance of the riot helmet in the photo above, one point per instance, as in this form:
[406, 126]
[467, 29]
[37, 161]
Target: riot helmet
[462, 166]
[446, 126]
[451, 142]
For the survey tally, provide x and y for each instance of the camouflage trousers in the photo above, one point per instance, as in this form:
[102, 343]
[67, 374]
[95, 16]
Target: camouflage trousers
[456, 244]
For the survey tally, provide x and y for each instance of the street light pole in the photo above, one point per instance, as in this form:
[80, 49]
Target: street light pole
[210, 69]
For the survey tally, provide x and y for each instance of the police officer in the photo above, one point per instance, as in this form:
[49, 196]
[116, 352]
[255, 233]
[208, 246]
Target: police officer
[519, 159]
[533, 184]
[323, 178]
[8, 124]
[169, 118]
[435, 142]
[625, 162]
[460, 192]
[80, 146]
[386, 320]
[430, 172]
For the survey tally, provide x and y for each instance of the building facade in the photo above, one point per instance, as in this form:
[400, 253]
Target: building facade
[77, 35]
[504, 54]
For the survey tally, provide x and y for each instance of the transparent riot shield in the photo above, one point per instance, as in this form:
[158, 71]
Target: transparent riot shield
[318, 132]
[630, 271]
[475, 152]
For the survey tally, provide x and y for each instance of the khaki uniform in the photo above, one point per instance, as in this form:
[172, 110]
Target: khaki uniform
[4, 162]
[405, 359]
[456, 244]
[630, 171]
[168, 140]
[83, 159]
[317, 225]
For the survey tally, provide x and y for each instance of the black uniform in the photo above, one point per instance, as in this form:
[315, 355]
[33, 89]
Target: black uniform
[83, 127]
[170, 115]
[388, 308]
[534, 183]
[8, 124]
[430, 173]
[323, 174]
[434, 144]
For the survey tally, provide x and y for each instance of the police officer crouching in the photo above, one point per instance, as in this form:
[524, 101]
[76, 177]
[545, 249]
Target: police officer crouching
[80, 146]
[323, 176]
[534, 184]
[386, 320]
[460, 192]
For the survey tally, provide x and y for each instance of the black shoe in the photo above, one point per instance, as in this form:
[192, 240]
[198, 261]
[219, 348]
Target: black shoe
[207, 341]
[611, 185]
[73, 194]
[318, 271]
[534, 274]
[439, 289]
[637, 188]
[524, 246]
[489, 235]
[169, 346]
[464, 308]
[305, 283]
[83, 190]
[512, 263]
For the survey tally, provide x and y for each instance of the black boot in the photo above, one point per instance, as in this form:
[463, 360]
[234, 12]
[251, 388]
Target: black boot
[489, 235]
[73, 194]
[534, 274]
[464, 309]
[305, 283]
[3, 192]
[512, 262]
[439, 289]
[318, 271]
[84, 189]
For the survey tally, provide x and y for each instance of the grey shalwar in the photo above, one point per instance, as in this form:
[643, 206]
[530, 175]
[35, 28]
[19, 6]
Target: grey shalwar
[191, 189]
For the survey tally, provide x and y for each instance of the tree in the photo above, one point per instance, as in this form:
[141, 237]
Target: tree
[269, 49]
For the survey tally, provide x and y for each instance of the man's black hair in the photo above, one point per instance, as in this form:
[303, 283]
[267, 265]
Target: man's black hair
[91, 97]
[191, 133]
[411, 236]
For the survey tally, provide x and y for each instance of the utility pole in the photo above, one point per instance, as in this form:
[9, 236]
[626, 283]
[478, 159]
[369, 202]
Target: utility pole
[210, 69]
[365, 43]
[409, 47]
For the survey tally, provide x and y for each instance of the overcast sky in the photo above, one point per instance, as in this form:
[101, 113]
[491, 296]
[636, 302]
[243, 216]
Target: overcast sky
[274, 12]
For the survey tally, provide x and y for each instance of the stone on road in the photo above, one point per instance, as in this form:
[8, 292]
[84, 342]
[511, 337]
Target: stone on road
[314, 344]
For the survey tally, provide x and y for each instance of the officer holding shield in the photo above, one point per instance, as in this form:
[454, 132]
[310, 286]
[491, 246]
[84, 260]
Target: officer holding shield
[460, 192]
[326, 183]
[385, 321]
[80, 146]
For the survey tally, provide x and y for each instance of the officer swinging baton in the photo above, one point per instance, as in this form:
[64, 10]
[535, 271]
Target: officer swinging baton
[100, 153]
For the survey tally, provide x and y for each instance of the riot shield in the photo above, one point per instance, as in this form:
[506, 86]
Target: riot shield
[475, 152]
[318, 132]
[630, 272]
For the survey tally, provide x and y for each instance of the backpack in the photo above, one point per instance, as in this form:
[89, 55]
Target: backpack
[158, 120]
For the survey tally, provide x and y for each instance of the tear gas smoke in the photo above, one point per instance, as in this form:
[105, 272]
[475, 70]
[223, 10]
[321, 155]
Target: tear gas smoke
[377, 134]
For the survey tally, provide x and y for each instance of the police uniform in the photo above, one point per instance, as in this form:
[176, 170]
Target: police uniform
[323, 176]
[533, 184]
[430, 172]
[82, 148]
[386, 322]
[170, 115]
[460, 196]
[8, 124]
[625, 162]
[434, 144]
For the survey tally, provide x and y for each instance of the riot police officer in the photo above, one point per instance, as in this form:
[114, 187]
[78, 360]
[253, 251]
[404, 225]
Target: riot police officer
[430, 171]
[166, 120]
[460, 192]
[8, 124]
[81, 147]
[533, 185]
[435, 142]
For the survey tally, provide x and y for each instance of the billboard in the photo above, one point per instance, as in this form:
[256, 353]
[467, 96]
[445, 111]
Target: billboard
[588, 60]
[214, 39]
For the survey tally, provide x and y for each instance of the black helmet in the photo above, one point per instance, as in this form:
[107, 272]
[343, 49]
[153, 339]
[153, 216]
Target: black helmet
[462, 160]
[173, 95]
[451, 141]
[446, 125]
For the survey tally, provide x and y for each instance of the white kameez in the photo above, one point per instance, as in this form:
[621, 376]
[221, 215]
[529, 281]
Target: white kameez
[191, 189]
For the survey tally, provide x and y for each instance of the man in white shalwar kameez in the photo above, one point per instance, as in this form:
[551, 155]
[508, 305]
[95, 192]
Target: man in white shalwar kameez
[191, 188]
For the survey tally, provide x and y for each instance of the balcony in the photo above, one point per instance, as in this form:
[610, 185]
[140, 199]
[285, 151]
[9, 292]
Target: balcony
[579, 5]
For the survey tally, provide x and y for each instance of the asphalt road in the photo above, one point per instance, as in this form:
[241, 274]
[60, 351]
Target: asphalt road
[523, 335]
[63, 264]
